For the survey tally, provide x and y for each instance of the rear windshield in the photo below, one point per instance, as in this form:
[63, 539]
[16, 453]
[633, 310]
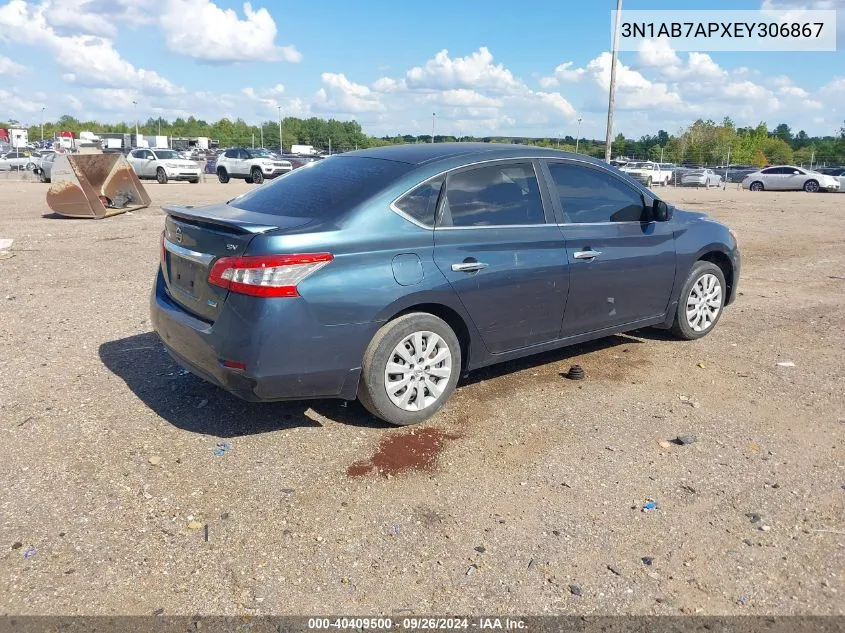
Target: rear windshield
[323, 189]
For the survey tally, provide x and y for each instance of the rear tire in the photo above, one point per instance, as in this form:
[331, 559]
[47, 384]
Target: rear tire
[222, 175]
[257, 176]
[399, 383]
[701, 302]
[161, 176]
[30, 167]
[756, 186]
[811, 186]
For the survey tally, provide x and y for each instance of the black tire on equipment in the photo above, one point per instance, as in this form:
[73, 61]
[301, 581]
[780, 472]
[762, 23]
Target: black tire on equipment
[371, 389]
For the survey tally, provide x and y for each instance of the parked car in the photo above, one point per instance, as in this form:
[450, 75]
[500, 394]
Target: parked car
[648, 173]
[163, 165]
[789, 178]
[44, 171]
[252, 164]
[836, 172]
[18, 159]
[385, 273]
[701, 178]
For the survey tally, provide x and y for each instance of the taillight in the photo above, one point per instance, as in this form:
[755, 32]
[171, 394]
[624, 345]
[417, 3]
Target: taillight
[266, 275]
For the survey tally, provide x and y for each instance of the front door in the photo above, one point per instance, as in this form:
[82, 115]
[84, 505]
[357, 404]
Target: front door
[621, 269]
[503, 254]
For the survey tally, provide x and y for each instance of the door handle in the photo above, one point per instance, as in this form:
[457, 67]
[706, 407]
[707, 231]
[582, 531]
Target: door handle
[586, 254]
[469, 267]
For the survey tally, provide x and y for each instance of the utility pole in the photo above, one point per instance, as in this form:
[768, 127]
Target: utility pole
[330, 146]
[42, 122]
[262, 135]
[727, 167]
[433, 117]
[253, 139]
[578, 135]
[812, 158]
[281, 144]
[611, 99]
[159, 126]
[137, 139]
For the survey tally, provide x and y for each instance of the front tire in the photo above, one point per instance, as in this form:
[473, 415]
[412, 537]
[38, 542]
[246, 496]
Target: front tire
[161, 176]
[756, 186]
[222, 175]
[701, 301]
[257, 176]
[410, 369]
[811, 186]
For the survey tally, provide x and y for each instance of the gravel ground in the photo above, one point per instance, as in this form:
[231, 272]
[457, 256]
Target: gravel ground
[529, 487]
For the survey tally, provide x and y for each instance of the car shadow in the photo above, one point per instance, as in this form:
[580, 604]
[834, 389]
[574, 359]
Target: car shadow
[545, 358]
[195, 405]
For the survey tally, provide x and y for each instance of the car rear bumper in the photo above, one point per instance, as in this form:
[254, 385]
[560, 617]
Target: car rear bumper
[287, 353]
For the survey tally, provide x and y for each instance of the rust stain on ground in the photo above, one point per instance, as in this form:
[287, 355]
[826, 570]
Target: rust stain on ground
[416, 450]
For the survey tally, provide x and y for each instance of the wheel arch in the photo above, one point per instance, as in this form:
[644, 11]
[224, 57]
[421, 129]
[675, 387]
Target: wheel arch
[721, 259]
[453, 318]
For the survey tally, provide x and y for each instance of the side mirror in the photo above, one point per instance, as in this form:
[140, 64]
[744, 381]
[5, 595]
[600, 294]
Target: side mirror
[661, 212]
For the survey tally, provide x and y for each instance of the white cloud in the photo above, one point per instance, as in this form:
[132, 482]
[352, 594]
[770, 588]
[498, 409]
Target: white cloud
[633, 90]
[201, 30]
[475, 72]
[387, 85]
[563, 73]
[17, 104]
[341, 96]
[464, 98]
[90, 61]
[9, 67]
[657, 53]
[97, 17]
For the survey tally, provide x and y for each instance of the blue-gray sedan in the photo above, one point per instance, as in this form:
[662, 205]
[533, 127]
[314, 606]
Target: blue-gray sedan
[384, 274]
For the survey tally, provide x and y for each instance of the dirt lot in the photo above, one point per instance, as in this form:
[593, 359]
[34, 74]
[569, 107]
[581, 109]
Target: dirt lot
[535, 482]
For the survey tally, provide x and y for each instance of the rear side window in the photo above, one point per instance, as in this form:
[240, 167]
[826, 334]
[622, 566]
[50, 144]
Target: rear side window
[323, 189]
[499, 195]
[230, 153]
[589, 195]
[421, 203]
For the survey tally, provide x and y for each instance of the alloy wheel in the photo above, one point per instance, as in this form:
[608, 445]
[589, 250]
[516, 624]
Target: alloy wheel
[704, 302]
[418, 371]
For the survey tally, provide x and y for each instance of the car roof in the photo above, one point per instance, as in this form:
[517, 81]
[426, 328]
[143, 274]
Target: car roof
[427, 153]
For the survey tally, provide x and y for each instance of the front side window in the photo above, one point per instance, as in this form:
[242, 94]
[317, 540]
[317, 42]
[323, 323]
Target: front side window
[166, 154]
[774, 170]
[500, 195]
[421, 202]
[589, 196]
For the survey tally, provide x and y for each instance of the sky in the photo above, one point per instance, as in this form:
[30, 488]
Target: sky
[483, 67]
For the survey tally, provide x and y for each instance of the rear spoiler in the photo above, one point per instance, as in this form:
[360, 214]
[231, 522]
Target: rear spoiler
[226, 216]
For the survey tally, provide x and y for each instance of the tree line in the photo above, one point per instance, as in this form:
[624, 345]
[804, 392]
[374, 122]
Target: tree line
[703, 142]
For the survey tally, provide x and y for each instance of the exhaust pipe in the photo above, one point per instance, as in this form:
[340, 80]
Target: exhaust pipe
[95, 186]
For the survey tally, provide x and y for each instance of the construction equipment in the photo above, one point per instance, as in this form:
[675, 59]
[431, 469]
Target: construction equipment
[94, 186]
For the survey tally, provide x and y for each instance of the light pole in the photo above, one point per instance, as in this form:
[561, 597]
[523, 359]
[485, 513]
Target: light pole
[42, 122]
[433, 118]
[281, 145]
[578, 135]
[262, 134]
[137, 139]
[612, 95]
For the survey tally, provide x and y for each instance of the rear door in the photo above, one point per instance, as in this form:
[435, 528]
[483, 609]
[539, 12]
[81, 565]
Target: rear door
[496, 242]
[622, 269]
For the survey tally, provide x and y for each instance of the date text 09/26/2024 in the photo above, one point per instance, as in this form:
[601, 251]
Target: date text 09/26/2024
[418, 624]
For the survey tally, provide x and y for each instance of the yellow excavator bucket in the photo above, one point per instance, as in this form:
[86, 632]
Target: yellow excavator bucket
[94, 186]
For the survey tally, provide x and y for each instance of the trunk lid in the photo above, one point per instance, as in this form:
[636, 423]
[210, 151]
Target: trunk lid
[196, 237]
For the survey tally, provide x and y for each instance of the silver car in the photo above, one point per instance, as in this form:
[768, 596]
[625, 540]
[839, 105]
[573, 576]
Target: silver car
[701, 178]
[789, 178]
[18, 159]
[44, 170]
[838, 173]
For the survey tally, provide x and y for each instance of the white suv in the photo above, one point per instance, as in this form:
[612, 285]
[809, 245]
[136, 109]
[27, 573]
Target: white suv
[253, 165]
[163, 165]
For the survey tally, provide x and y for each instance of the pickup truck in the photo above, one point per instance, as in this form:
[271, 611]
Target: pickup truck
[648, 173]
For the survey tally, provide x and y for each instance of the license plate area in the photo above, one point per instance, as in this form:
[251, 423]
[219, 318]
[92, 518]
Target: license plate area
[184, 275]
